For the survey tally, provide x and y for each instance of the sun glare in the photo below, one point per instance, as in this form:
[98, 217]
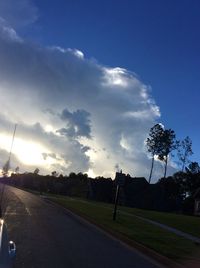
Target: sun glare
[28, 152]
[91, 173]
[49, 128]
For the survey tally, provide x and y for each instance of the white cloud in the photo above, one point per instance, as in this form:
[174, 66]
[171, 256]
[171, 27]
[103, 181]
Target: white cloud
[79, 54]
[116, 77]
[104, 113]
[18, 13]
[76, 52]
[8, 32]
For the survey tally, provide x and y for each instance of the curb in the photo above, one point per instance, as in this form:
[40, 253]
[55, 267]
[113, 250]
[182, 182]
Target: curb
[159, 259]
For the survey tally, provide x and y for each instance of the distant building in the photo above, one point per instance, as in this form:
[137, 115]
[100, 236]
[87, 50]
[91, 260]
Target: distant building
[132, 189]
[120, 178]
[197, 202]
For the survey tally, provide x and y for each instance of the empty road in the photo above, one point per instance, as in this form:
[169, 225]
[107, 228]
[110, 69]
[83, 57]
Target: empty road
[48, 237]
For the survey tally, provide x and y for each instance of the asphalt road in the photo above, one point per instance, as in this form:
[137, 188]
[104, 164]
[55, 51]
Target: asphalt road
[46, 237]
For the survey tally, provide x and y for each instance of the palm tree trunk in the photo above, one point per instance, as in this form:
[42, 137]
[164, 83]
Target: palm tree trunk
[152, 164]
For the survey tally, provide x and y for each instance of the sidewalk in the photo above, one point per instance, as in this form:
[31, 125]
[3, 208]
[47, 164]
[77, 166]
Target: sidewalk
[166, 227]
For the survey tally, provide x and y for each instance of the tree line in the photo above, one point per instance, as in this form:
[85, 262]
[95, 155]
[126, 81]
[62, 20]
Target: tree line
[173, 193]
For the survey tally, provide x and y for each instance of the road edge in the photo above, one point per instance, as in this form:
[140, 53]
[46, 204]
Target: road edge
[148, 253]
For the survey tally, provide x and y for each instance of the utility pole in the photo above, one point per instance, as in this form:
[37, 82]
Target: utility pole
[5, 172]
[6, 167]
[12, 142]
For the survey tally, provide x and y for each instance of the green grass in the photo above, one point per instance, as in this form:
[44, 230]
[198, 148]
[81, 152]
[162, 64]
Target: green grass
[187, 224]
[129, 226]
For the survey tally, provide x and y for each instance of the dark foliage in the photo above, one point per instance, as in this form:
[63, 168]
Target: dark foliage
[167, 144]
[184, 149]
[175, 193]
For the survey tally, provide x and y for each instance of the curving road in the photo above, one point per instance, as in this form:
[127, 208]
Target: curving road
[48, 237]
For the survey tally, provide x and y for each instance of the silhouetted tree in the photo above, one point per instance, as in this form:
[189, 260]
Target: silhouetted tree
[54, 173]
[168, 144]
[184, 148]
[36, 171]
[193, 177]
[153, 143]
[6, 168]
[181, 179]
[193, 168]
[171, 193]
[72, 175]
[17, 170]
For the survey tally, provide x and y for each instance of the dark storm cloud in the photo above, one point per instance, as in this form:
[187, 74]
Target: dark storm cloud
[78, 123]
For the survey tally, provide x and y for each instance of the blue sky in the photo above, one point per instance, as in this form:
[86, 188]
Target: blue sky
[157, 40]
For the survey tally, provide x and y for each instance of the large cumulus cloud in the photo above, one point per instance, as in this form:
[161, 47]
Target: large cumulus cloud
[87, 116]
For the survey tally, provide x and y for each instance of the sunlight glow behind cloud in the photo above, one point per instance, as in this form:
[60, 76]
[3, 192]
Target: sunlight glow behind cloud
[73, 114]
[115, 76]
[28, 152]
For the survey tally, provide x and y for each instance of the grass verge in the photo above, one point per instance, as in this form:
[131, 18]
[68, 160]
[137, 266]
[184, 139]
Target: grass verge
[187, 224]
[134, 229]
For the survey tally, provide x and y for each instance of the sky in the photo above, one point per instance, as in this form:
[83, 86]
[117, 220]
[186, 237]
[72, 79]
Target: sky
[85, 81]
